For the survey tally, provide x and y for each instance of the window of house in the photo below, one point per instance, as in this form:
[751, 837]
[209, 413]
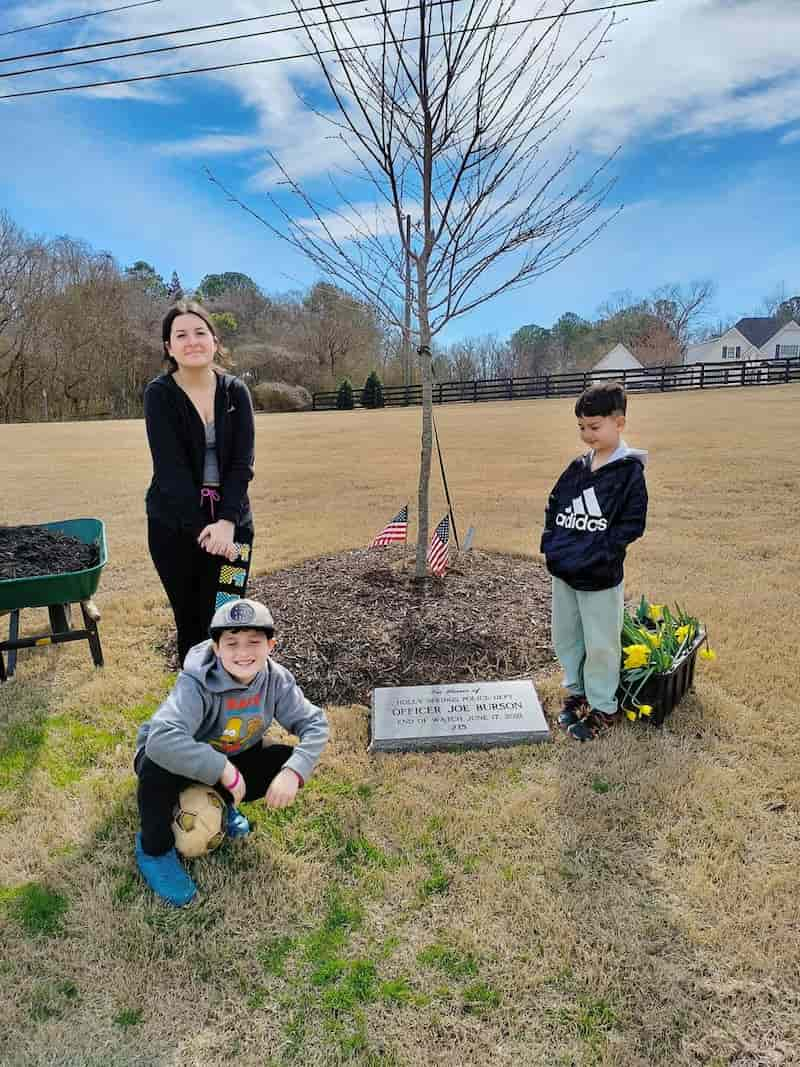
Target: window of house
[787, 351]
[731, 351]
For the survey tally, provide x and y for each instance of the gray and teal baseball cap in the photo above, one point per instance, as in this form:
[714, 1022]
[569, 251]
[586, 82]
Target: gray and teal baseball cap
[242, 614]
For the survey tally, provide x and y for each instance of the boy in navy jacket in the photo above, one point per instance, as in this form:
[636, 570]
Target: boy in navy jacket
[596, 509]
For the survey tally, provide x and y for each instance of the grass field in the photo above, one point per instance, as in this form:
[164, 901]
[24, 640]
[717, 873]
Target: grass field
[629, 902]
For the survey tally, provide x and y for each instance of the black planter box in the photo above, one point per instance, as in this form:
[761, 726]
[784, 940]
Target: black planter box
[666, 690]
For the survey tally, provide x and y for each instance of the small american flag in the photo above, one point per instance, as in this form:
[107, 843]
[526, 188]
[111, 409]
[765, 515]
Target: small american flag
[438, 552]
[396, 530]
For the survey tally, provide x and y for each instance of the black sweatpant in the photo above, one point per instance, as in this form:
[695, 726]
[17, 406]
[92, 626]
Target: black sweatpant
[158, 790]
[191, 578]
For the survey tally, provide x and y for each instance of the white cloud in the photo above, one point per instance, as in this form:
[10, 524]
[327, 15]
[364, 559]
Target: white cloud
[212, 144]
[792, 137]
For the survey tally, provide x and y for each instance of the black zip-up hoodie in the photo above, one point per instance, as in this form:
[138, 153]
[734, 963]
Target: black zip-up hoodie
[592, 517]
[177, 440]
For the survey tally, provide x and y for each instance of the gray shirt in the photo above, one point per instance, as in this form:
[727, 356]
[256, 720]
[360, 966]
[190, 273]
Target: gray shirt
[209, 716]
[210, 464]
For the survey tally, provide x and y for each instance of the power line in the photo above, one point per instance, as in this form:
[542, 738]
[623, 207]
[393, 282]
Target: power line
[220, 40]
[77, 18]
[308, 55]
[171, 33]
[277, 14]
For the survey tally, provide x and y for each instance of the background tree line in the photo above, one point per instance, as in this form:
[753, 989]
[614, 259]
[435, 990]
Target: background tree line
[80, 336]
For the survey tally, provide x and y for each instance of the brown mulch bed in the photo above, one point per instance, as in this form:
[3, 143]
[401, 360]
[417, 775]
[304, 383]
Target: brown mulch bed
[347, 623]
[32, 551]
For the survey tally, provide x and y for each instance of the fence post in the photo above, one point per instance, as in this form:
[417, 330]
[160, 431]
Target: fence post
[440, 392]
[313, 401]
[786, 371]
[474, 390]
[663, 376]
[742, 382]
[546, 386]
[510, 388]
[702, 374]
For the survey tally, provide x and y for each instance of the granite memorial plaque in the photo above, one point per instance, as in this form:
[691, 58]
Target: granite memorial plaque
[462, 715]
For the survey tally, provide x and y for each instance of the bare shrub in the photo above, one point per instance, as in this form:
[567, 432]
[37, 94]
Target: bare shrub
[280, 396]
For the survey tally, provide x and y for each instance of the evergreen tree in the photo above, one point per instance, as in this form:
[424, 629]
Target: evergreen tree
[174, 289]
[372, 393]
[344, 395]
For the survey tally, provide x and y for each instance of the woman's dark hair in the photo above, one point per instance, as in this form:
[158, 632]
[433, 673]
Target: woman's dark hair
[602, 398]
[188, 307]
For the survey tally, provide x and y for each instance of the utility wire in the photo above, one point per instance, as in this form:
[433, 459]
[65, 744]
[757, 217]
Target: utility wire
[185, 29]
[77, 18]
[313, 54]
[277, 14]
[219, 40]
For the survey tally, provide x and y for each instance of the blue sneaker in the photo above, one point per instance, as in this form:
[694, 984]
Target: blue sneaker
[165, 875]
[236, 824]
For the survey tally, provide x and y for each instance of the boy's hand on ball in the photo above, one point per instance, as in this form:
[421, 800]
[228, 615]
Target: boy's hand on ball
[283, 790]
[238, 789]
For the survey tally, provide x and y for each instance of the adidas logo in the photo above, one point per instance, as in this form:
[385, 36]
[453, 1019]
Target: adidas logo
[584, 514]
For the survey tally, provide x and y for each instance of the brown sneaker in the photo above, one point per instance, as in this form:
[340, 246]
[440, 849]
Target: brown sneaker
[574, 708]
[593, 724]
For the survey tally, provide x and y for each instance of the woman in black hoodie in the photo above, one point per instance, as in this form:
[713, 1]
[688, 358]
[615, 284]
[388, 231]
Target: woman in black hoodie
[201, 435]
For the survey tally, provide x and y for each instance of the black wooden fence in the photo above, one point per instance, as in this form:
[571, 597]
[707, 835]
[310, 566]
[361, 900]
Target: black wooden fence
[647, 380]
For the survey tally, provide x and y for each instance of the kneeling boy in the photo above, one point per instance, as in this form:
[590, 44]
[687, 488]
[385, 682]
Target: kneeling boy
[212, 729]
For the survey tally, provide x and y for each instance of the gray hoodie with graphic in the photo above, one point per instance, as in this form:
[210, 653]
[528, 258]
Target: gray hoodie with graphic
[209, 716]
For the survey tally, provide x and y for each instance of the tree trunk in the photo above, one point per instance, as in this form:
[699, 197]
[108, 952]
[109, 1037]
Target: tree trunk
[421, 568]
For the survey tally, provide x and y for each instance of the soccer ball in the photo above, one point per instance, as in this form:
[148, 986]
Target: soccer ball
[198, 822]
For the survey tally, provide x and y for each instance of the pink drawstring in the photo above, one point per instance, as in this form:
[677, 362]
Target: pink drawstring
[212, 496]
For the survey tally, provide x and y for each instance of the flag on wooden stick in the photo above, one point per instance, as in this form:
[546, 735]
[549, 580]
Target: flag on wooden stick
[396, 530]
[438, 551]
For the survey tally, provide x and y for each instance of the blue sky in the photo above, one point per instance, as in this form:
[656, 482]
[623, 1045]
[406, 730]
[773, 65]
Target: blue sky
[703, 96]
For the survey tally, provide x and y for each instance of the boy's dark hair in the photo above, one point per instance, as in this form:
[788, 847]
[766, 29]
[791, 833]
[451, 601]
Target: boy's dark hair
[218, 631]
[602, 398]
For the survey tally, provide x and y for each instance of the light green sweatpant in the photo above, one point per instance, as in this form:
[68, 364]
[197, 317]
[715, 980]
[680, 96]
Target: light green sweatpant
[586, 629]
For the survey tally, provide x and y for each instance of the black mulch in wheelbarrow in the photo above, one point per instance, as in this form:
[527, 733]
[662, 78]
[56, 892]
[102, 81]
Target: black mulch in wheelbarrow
[30, 551]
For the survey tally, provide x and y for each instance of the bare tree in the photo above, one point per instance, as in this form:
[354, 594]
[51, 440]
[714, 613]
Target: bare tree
[683, 309]
[450, 117]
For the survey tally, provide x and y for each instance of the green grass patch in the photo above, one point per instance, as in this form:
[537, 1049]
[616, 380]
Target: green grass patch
[272, 954]
[480, 998]
[359, 852]
[128, 1017]
[590, 1019]
[449, 960]
[20, 750]
[72, 747]
[51, 1001]
[397, 991]
[436, 884]
[37, 909]
[126, 889]
[354, 986]
[601, 786]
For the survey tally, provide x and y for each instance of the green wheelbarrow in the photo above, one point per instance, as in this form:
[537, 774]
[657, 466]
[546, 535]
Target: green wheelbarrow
[57, 593]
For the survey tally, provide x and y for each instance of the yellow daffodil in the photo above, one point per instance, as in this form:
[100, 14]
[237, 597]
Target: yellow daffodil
[656, 612]
[707, 653]
[631, 715]
[645, 709]
[636, 656]
[654, 639]
[682, 632]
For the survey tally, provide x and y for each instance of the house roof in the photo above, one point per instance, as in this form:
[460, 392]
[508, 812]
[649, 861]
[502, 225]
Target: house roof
[758, 330]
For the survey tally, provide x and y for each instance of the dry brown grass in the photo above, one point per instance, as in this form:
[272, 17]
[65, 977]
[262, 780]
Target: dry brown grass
[631, 902]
